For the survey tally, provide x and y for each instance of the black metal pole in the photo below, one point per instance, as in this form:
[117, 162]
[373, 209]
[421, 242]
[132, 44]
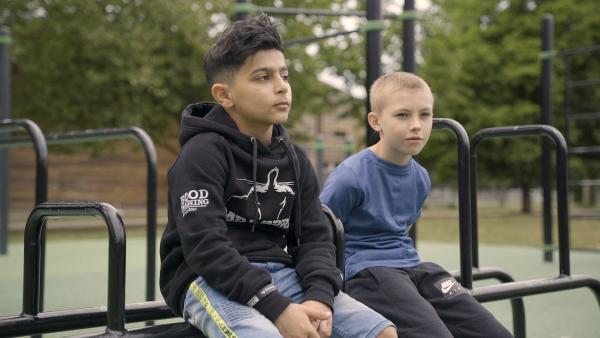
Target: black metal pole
[473, 209]
[561, 180]
[374, 44]
[466, 251]
[546, 118]
[4, 154]
[567, 104]
[408, 37]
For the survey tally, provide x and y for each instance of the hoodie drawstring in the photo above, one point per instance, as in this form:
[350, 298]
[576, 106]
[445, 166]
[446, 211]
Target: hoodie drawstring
[293, 159]
[254, 170]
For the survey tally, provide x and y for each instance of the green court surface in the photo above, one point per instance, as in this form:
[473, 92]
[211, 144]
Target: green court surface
[77, 277]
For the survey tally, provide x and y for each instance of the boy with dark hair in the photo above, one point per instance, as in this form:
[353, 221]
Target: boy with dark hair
[378, 193]
[240, 193]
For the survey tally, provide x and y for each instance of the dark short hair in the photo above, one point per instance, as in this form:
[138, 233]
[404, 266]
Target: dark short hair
[238, 42]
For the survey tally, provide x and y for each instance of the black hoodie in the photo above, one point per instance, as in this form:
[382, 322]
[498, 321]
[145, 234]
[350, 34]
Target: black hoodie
[232, 201]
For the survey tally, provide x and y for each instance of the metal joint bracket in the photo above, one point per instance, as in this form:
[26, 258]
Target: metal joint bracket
[549, 54]
[372, 25]
[244, 8]
[408, 15]
[5, 40]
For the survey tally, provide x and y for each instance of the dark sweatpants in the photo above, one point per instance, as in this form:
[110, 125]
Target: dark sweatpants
[424, 301]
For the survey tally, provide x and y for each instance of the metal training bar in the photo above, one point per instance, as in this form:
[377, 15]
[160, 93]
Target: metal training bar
[565, 280]
[93, 135]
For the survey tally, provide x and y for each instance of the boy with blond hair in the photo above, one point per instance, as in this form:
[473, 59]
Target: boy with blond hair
[378, 194]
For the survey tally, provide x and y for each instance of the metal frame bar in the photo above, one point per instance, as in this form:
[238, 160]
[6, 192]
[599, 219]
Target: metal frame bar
[248, 8]
[374, 47]
[466, 237]
[584, 116]
[536, 287]
[5, 106]
[41, 159]
[93, 135]
[307, 11]
[583, 83]
[409, 63]
[546, 117]
[40, 148]
[309, 39]
[585, 150]
[565, 280]
[30, 321]
[561, 180]
[580, 50]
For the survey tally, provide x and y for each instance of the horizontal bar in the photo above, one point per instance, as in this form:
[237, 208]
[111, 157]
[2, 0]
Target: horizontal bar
[65, 320]
[583, 116]
[584, 183]
[76, 137]
[580, 50]
[583, 83]
[585, 215]
[6, 128]
[488, 272]
[253, 9]
[309, 39]
[585, 150]
[536, 287]
[307, 11]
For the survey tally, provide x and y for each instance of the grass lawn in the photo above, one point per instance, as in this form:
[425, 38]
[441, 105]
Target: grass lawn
[506, 227]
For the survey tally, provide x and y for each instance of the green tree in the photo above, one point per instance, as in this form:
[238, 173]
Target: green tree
[107, 63]
[482, 60]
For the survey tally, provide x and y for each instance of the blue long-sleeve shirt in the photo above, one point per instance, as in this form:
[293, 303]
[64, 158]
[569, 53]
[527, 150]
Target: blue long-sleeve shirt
[377, 200]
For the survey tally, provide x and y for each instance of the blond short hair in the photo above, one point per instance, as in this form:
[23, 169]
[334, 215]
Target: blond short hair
[393, 82]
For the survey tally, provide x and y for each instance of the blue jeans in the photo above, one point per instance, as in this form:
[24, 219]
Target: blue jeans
[216, 316]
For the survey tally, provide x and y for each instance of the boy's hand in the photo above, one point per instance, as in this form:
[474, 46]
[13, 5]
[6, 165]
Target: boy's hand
[323, 326]
[296, 321]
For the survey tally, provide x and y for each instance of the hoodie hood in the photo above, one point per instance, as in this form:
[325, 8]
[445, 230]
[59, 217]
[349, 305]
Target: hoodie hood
[204, 117]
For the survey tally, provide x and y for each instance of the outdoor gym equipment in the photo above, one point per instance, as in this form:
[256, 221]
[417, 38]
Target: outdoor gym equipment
[564, 280]
[96, 135]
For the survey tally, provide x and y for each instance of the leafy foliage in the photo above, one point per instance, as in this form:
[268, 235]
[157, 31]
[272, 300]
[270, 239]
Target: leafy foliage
[101, 63]
[482, 61]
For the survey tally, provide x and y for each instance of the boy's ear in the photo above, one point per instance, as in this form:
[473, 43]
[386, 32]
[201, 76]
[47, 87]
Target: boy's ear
[374, 121]
[222, 95]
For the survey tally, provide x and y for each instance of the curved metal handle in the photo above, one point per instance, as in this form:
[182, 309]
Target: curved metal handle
[561, 178]
[116, 250]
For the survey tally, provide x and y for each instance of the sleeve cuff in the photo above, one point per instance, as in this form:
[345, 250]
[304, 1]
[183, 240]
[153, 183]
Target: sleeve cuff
[273, 305]
[320, 295]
